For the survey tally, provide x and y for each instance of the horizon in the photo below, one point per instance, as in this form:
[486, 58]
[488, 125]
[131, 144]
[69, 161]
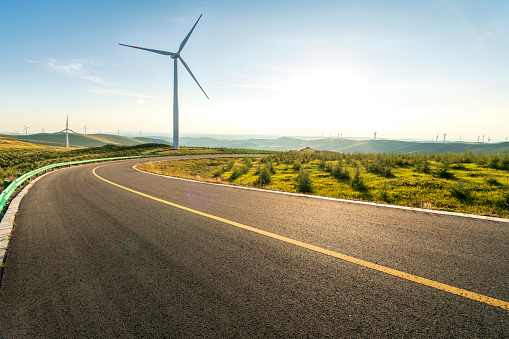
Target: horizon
[226, 137]
[408, 71]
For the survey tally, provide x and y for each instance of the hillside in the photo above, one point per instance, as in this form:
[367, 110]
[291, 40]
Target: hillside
[280, 144]
[350, 145]
[77, 140]
[10, 144]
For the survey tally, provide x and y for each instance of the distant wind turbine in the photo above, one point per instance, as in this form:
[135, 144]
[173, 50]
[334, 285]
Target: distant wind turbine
[26, 129]
[175, 57]
[375, 135]
[43, 129]
[17, 132]
[85, 128]
[444, 136]
[118, 131]
[478, 138]
[66, 130]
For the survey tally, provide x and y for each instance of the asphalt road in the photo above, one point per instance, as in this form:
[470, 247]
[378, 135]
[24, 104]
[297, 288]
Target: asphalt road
[91, 259]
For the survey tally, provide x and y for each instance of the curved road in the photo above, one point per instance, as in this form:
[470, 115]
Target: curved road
[92, 257]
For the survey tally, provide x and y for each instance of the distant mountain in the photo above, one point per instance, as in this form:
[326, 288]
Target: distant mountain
[280, 144]
[350, 145]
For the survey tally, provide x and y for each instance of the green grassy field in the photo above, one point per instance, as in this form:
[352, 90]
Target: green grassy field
[470, 183]
[21, 157]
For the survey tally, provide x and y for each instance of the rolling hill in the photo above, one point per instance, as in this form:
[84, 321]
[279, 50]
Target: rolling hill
[280, 144]
[76, 140]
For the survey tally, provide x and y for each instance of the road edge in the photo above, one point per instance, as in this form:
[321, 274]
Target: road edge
[7, 222]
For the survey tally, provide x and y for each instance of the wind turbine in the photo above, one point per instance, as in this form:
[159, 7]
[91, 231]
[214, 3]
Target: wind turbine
[444, 136]
[26, 129]
[85, 128]
[67, 132]
[175, 57]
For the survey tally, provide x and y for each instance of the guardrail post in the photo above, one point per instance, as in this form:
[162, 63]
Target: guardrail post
[6, 184]
[18, 175]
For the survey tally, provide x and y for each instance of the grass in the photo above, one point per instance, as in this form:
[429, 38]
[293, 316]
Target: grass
[461, 183]
[21, 157]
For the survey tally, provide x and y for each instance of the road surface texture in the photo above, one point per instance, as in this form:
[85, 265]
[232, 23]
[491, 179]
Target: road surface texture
[93, 259]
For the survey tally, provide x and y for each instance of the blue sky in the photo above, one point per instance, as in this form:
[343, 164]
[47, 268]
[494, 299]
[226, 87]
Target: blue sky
[405, 69]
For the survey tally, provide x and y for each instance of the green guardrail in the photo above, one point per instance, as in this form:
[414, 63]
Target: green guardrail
[7, 193]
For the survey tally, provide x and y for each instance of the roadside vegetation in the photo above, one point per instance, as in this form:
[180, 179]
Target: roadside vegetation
[468, 182]
[20, 157]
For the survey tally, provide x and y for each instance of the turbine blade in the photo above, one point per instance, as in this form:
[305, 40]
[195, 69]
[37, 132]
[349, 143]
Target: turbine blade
[188, 35]
[150, 50]
[187, 67]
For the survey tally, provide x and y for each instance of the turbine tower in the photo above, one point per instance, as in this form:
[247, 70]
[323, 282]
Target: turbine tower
[175, 57]
[85, 128]
[26, 129]
[67, 132]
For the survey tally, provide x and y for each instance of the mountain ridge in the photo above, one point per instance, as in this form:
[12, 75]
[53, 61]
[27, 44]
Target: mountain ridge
[279, 144]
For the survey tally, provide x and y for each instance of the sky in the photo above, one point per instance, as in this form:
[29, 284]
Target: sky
[403, 69]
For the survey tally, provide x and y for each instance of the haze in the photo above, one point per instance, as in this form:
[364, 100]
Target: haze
[294, 68]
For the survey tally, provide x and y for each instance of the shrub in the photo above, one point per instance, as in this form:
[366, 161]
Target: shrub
[238, 172]
[304, 182]
[296, 165]
[339, 172]
[218, 172]
[422, 165]
[265, 177]
[460, 192]
[380, 168]
[230, 165]
[503, 200]
[358, 180]
[493, 181]
[494, 161]
[443, 171]
[271, 168]
[248, 162]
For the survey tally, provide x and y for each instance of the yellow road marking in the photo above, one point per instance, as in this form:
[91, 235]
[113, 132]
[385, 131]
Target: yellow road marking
[360, 262]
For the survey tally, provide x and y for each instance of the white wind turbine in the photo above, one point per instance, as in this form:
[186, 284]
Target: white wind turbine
[67, 132]
[26, 129]
[175, 56]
